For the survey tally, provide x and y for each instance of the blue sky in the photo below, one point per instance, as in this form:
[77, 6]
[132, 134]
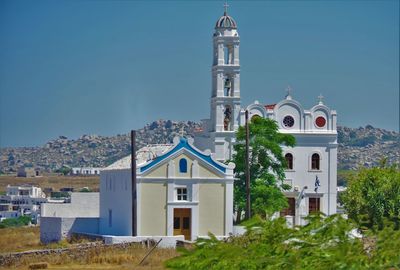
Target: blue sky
[105, 67]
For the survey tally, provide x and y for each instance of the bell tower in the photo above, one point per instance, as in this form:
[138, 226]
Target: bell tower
[225, 95]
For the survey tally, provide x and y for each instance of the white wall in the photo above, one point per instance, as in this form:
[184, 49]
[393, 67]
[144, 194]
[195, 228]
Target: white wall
[115, 195]
[53, 229]
[302, 175]
[83, 204]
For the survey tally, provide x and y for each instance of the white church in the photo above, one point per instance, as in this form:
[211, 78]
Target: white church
[185, 190]
[312, 163]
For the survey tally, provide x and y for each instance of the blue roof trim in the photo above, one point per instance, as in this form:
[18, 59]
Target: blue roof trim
[183, 143]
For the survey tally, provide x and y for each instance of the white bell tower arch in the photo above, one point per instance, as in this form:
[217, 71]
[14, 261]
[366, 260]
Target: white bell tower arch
[225, 95]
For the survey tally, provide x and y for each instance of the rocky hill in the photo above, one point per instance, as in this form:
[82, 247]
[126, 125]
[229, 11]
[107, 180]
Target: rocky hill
[367, 146]
[357, 146]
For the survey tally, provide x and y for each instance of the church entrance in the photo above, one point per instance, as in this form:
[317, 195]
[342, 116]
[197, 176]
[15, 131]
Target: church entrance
[182, 220]
[314, 205]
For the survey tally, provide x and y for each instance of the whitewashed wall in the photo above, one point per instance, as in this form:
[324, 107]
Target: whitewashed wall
[53, 229]
[115, 190]
[82, 204]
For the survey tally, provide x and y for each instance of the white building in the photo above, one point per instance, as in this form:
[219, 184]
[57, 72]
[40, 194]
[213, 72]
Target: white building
[22, 200]
[312, 162]
[60, 220]
[86, 171]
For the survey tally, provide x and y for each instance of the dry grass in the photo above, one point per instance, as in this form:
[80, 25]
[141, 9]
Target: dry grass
[19, 239]
[102, 258]
[55, 182]
[108, 257]
[28, 238]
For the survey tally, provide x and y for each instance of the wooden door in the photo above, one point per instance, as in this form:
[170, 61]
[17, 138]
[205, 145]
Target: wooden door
[182, 222]
[313, 205]
[291, 210]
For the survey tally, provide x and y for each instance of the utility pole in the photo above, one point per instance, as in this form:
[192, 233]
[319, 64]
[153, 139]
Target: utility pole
[133, 178]
[248, 208]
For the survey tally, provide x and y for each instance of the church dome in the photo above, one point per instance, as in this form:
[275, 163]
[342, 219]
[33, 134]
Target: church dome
[226, 21]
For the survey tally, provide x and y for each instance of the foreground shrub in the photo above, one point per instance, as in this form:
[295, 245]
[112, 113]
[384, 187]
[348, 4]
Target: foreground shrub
[325, 243]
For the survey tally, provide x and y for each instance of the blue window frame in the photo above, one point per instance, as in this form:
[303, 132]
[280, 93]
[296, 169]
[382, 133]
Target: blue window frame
[109, 218]
[183, 165]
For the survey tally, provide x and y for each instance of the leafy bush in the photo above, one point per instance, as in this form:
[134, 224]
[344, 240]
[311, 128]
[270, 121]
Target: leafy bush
[325, 243]
[15, 222]
[372, 196]
[64, 170]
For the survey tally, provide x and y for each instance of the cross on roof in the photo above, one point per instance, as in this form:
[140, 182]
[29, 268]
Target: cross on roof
[288, 91]
[182, 131]
[320, 98]
[226, 7]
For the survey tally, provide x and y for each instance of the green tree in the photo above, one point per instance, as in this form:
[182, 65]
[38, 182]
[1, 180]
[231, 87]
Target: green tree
[64, 170]
[266, 167]
[373, 196]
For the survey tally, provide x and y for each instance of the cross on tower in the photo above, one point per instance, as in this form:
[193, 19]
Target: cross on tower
[226, 7]
[320, 98]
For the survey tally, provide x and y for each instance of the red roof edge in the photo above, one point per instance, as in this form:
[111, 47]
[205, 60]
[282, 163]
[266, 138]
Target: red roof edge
[270, 106]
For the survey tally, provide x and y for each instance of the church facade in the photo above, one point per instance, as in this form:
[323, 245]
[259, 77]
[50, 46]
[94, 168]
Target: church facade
[180, 191]
[312, 163]
[185, 189]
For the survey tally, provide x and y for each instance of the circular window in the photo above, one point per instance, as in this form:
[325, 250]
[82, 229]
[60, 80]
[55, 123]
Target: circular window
[320, 121]
[288, 121]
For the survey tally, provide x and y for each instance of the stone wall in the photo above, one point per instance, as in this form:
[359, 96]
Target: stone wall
[53, 229]
[13, 259]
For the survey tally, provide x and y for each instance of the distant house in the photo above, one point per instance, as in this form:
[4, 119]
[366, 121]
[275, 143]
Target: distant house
[86, 171]
[28, 172]
[22, 200]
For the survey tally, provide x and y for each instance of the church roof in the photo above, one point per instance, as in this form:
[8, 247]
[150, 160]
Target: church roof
[184, 143]
[226, 21]
[151, 155]
[143, 155]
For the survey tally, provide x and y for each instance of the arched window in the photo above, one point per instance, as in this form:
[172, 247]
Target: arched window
[228, 55]
[289, 161]
[227, 118]
[228, 87]
[182, 165]
[315, 162]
